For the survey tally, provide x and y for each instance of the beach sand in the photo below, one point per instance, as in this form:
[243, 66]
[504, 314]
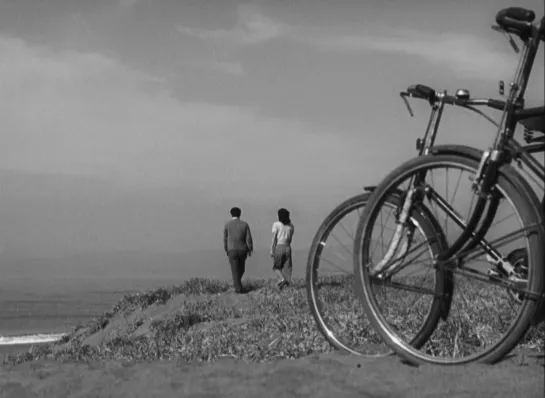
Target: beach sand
[318, 376]
[324, 376]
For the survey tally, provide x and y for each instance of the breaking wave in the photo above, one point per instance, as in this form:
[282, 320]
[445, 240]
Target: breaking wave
[31, 339]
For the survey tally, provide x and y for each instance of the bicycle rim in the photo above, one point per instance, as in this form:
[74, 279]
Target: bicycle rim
[527, 211]
[333, 302]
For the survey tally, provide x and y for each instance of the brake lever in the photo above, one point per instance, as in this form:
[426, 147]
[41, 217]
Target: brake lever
[404, 96]
[509, 37]
[513, 43]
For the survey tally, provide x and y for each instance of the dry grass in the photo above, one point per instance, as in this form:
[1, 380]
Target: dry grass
[263, 325]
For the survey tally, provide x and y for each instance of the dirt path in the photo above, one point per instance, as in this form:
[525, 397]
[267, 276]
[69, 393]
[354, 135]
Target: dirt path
[318, 377]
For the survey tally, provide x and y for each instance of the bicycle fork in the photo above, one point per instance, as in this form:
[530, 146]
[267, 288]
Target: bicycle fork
[403, 228]
[483, 185]
[400, 232]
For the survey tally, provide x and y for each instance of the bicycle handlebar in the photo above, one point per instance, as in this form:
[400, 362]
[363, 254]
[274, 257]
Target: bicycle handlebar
[421, 91]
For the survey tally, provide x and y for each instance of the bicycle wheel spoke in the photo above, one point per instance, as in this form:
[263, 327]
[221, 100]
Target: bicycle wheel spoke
[446, 195]
[435, 210]
[343, 246]
[350, 235]
[337, 267]
[403, 259]
[457, 186]
[502, 220]
[334, 306]
[498, 242]
[465, 308]
[470, 208]
[381, 235]
[400, 286]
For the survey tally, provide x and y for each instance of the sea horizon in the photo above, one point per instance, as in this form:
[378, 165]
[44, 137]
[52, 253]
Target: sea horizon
[44, 299]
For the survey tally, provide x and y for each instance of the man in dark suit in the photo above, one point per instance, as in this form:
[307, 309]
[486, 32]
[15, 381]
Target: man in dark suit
[238, 245]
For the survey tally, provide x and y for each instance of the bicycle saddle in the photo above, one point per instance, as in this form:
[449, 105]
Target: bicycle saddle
[515, 13]
[536, 123]
[516, 20]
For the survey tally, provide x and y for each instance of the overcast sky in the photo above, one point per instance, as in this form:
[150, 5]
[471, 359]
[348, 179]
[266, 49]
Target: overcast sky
[137, 124]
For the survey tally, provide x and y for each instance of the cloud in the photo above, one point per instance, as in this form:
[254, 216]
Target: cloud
[464, 54]
[85, 113]
[251, 28]
[128, 3]
[226, 67]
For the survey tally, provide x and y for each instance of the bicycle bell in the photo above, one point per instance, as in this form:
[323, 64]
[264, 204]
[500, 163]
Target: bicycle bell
[462, 94]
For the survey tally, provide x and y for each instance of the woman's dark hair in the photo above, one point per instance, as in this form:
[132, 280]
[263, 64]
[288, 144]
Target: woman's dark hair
[284, 216]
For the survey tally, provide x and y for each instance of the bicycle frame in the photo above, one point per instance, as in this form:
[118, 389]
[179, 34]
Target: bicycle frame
[512, 113]
[491, 160]
[504, 150]
[524, 151]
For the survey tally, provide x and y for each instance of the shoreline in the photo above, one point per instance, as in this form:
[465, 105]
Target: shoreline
[31, 338]
[13, 345]
[12, 350]
[194, 320]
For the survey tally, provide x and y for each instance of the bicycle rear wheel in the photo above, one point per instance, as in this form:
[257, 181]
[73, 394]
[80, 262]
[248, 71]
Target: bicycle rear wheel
[484, 322]
[334, 305]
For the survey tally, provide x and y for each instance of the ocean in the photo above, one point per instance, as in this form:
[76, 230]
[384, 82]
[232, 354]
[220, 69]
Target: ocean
[34, 312]
[41, 299]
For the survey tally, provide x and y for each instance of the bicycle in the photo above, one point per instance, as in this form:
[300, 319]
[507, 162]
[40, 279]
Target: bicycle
[494, 181]
[349, 321]
[338, 322]
[344, 326]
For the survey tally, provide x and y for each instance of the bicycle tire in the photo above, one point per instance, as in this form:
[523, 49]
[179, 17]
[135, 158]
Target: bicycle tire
[476, 155]
[528, 206]
[430, 227]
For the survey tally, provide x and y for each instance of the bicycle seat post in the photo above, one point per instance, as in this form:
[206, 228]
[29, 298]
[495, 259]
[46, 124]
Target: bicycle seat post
[518, 85]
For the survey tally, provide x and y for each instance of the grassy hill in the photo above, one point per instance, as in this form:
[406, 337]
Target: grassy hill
[203, 320]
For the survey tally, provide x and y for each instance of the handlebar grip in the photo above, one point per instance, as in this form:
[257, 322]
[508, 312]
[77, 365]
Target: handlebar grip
[496, 104]
[413, 93]
[422, 91]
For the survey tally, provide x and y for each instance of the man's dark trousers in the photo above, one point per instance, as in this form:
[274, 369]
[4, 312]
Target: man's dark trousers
[237, 259]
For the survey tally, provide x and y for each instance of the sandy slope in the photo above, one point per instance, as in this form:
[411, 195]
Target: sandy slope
[318, 377]
[324, 376]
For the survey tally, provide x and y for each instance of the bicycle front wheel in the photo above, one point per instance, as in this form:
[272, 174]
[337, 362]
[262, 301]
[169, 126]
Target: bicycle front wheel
[330, 280]
[484, 322]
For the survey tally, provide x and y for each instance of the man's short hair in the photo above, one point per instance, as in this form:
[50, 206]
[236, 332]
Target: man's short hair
[236, 212]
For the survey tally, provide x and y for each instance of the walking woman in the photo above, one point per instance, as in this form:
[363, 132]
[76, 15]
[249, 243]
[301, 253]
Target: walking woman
[282, 231]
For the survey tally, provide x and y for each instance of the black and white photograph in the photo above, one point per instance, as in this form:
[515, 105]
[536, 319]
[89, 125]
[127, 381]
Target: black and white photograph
[272, 198]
